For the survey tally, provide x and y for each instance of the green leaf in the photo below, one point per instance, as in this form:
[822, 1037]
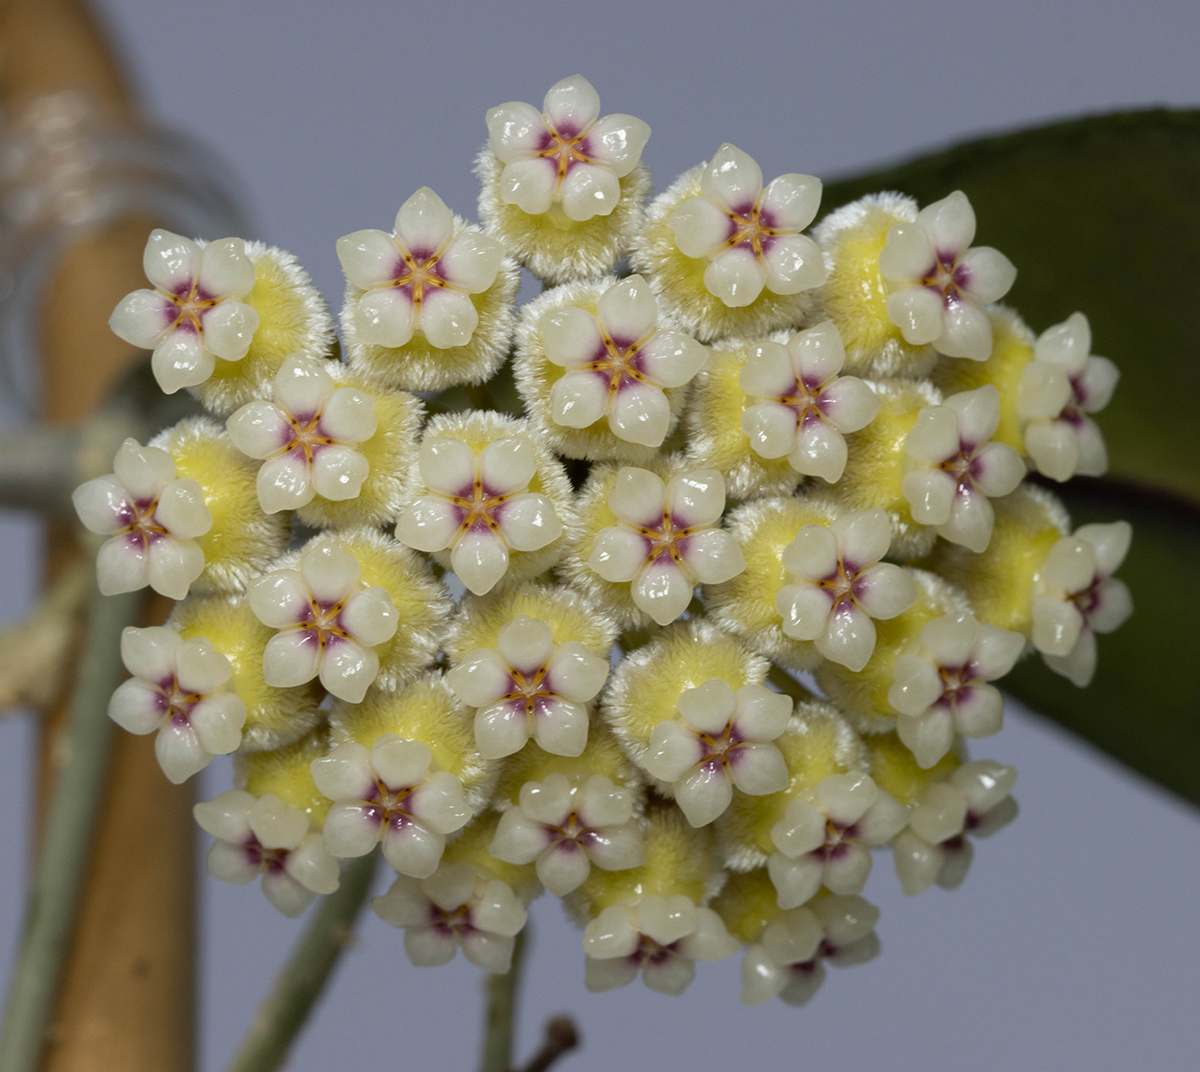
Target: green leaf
[1102, 215]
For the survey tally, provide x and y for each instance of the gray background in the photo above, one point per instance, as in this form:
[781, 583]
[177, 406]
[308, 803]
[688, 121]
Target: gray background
[1074, 943]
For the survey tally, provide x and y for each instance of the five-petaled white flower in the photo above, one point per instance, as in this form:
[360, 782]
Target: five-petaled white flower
[840, 585]
[306, 437]
[618, 361]
[566, 153]
[329, 623]
[805, 407]
[454, 907]
[153, 520]
[192, 316]
[721, 739]
[939, 282]
[265, 836]
[787, 961]
[388, 793]
[750, 236]
[954, 468]
[941, 688]
[529, 687]
[480, 507]
[662, 937]
[420, 277]
[1077, 596]
[934, 848]
[1058, 389]
[178, 689]
[666, 542]
[824, 840]
[564, 829]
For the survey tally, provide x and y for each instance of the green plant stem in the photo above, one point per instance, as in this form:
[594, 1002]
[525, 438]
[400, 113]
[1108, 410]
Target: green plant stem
[500, 1013]
[67, 840]
[787, 684]
[299, 984]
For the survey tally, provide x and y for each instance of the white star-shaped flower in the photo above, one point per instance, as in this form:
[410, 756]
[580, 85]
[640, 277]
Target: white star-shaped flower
[662, 937]
[1058, 389]
[840, 584]
[192, 316]
[565, 829]
[666, 542]
[388, 793]
[566, 154]
[529, 687]
[824, 841]
[153, 520]
[934, 847]
[618, 362]
[481, 507]
[955, 468]
[939, 282]
[306, 437]
[265, 836]
[721, 739]
[178, 689]
[750, 235]
[804, 407]
[1077, 596]
[941, 689]
[420, 277]
[788, 961]
[455, 907]
[329, 623]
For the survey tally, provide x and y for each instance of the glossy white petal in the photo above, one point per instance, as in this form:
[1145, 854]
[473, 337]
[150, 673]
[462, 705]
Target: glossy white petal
[170, 261]
[703, 794]
[526, 643]
[472, 261]
[863, 537]
[102, 505]
[617, 141]
[663, 591]
[701, 227]
[571, 337]
[934, 437]
[172, 565]
[672, 752]
[970, 522]
[514, 129]
[845, 798]
[638, 497]
[796, 881]
[480, 679]
[291, 658]
[424, 224]
[338, 473]
[501, 730]
[628, 310]
[350, 830]
[259, 429]
[640, 413]
[848, 404]
[429, 524]
[575, 673]
[561, 727]
[849, 638]
[907, 253]
[696, 498]
[732, 179]
[950, 223]
[529, 184]
[967, 333]
[448, 318]
[916, 684]
[448, 466]
[572, 105]
[228, 329]
[181, 360]
[736, 276]
[143, 318]
[771, 429]
[479, 560]
[884, 590]
[790, 202]
[985, 274]
[370, 258]
[384, 317]
[563, 868]
[618, 554]
[793, 263]
[181, 509]
[412, 850]
[930, 495]
[579, 399]
[758, 769]
[348, 669]
[819, 451]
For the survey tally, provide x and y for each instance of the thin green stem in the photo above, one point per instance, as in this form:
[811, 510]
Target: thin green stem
[299, 984]
[500, 1013]
[50, 915]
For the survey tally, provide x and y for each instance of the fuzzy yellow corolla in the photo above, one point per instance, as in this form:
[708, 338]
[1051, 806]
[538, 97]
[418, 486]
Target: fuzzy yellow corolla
[554, 247]
[644, 689]
[603, 756]
[746, 604]
[285, 773]
[878, 461]
[854, 296]
[479, 428]
[571, 617]
[680, 859]
[747, 903]
[422, 602]
[274, 717]
[471, 847]
[1000, 581]
[425, 711]
[243, 540]
[1012, 350]
[420, 366]
[863, 696]
[292, 318]
[678, 280]
[715, 436]
[536, 375]
[817, 743]
[894, 769]
[391, 454]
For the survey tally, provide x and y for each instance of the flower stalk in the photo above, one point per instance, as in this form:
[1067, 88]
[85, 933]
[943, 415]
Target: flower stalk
[68, 836]
[500, 1012]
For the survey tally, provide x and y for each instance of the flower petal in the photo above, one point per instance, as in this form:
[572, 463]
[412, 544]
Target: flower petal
[640, 413]
[919, 314]
[225, 269]
[696, 498]
[916, 684]
[617, 141]
[514, 129]
[284, 483]
[618, 554]
[259, 429]
[950, 223]
[228, 328]
[338, 473]
[561, 727]
[352, 828]
[181, 509]
[849, 638]
[590, 190]
[447, 318]
[701, 226]
[572, 105]
[758, 769]
[472, 261]
[793, 263]
[970, 522]
[704, 794]
[638, 497]
[385, 317]
[985, 274]
[348, 669]
[370, 616]
[507, 465]
[171, 262]
[907, 254]
[501, 730]
[448, 466]
[819, 450]
[713, 557]
[628, 311]
[736, 276]
[370, 258]
[967, 333]
[143, 318]
[330, 573]
[102, 505]
[579, 399]
[571, 337]
[137, 706]
[796, 881]
[663, 591]
[771, 429]
[479, 560]
[424, 224]
[805, 610]
[848, 404]
[575, 673]
[790, 202]
[529, 184]
[412, 850]
[672, 752]
[863, 537]
[291, 658]
[733, 179]
[480, 678]
[172, 565]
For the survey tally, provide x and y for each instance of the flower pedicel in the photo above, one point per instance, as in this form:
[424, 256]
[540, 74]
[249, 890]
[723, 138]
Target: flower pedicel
[761, 451]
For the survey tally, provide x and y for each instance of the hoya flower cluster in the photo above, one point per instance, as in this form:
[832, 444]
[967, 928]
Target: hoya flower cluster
[696, 617]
